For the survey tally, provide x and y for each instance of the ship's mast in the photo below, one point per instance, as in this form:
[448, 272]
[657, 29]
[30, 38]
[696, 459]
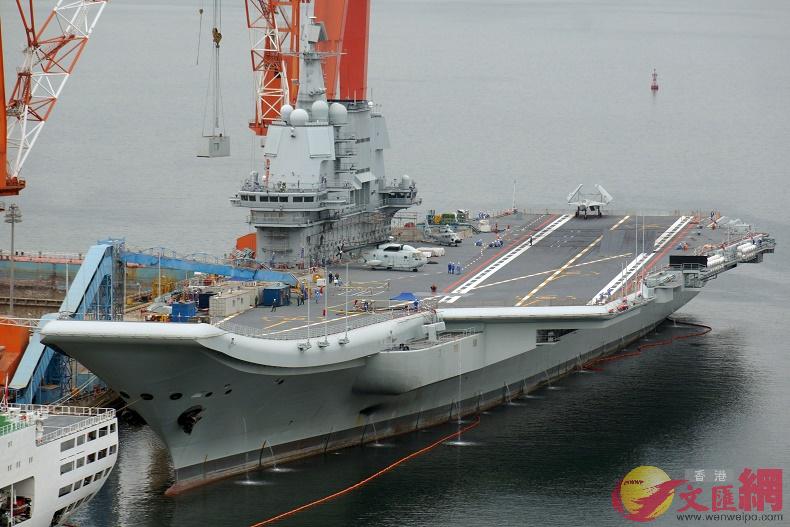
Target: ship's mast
[275, 32]
[311, 75]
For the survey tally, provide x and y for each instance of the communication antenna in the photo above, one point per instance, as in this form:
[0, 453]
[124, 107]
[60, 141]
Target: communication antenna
[214, 142]
[514, 195]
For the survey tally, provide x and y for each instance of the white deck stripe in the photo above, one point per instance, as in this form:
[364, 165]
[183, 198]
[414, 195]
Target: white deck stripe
[639, 262]
[514, 253]
[670, 232]
[622, 278]
[619, 223]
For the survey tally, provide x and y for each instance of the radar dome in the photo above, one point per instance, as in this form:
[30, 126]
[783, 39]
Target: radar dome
[338, 113]
[299, 117]
[405, 181]
[285, 112]
[320, 111]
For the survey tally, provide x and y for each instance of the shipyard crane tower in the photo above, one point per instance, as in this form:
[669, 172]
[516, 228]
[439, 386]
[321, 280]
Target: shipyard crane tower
[51, 52]
[275, 32]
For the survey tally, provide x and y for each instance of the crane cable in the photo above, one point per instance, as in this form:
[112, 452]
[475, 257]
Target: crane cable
[213, 87]
[368, 479]
[200, 36]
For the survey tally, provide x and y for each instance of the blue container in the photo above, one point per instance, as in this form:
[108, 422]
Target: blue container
[281, 292]
[183, 311]
[203, 300]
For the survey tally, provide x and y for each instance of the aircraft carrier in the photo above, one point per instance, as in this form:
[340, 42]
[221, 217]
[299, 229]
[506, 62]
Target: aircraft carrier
[535, 299]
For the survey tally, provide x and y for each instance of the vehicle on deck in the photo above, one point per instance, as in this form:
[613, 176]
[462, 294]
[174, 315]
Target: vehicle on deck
[395, 256]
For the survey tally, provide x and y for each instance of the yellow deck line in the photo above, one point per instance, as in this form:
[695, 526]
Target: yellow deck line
[559, 271]
[553, 270]
[619, 223]
[284, 321]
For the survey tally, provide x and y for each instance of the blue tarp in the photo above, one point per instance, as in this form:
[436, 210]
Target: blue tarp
[235, 273]
[405, 297]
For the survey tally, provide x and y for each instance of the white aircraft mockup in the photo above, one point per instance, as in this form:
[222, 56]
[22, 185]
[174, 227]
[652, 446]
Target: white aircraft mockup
[589, 202]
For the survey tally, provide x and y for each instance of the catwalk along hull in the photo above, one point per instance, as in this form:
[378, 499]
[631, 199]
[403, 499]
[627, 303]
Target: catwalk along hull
[242, 413]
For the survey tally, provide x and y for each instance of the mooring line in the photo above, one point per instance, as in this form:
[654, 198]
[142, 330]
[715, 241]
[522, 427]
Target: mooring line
[368, 479]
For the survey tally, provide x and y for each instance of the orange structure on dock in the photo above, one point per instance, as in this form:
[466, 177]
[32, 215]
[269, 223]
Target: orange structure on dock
[13, 341]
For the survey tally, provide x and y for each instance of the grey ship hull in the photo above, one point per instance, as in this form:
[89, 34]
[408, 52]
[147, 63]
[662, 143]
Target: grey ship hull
[275, 414]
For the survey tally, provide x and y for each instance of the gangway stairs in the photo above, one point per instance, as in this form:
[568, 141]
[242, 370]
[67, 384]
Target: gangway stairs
[96, 293]
[93, 291]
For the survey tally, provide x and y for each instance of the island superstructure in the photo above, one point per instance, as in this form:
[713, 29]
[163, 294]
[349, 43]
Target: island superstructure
[324, 189]
[503, 313]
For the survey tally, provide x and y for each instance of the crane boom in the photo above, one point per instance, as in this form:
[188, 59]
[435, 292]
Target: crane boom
[274, 32]
[50, 56]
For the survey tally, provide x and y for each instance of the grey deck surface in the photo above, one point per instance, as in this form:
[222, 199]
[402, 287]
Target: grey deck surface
[56, 422]
[599, 248]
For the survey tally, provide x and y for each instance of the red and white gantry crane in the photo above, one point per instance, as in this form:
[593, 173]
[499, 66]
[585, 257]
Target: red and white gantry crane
[51, 52]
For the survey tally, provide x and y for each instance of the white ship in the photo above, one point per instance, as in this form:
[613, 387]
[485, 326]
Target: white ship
[53, 460]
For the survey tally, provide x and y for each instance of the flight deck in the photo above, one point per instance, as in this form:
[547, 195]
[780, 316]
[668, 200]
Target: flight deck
[544, 260]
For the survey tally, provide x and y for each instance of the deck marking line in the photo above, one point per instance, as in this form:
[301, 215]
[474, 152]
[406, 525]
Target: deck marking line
[552, 270]
[619, 223]
[560, 270]
[641, 261]
[495, 256]
[511, 255]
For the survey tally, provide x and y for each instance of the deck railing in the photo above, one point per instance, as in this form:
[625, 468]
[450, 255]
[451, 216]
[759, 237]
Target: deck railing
[13, 427]
[320, 329]
[93, 416]
[75, 427]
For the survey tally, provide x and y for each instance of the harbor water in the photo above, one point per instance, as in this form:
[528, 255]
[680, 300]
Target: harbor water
[550, 94]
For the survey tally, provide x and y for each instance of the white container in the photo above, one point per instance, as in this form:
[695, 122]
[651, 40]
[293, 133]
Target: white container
[433, 251]
[229, 303]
